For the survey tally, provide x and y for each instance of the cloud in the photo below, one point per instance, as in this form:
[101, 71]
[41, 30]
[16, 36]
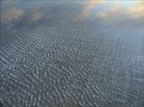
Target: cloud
[87, 7]
[92, 4]
[102, 15]
[35, 15]
[114, 12]
[124, 17]
[118, 11]
[137, 11]
[11, 14]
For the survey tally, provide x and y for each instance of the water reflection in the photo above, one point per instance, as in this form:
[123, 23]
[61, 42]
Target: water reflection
[105, 9]
[11, 14]
[49, 59]
[35, 14]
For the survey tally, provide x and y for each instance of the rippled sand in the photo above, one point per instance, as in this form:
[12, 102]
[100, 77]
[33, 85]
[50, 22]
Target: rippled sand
[68, 54]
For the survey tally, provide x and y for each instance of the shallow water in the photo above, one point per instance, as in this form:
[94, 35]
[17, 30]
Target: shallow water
[53, 55]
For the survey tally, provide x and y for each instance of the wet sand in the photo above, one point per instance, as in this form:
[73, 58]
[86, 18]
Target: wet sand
[54, 56]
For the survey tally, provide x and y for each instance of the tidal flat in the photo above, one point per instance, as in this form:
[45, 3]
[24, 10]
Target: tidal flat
[71, 54]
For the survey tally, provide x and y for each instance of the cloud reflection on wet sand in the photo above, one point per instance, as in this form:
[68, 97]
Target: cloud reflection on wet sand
[35, 15]
[112, 9]
[119, 10]
[104, 9]
[11, 14]
[137, 11]
[87, 6]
